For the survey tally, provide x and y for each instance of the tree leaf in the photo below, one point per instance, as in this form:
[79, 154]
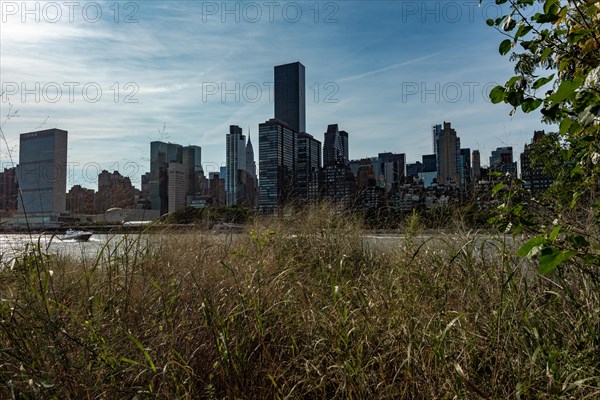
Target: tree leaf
[548, 5]
[511, 82]
[505, 46]
[523, 30]
[576, 197]
[526, 249]
[530, 104]
[590, 115]
[549, 262]
[565, 91]
[547, 51]
[509, 25]
[554, 233]
[497, 94]
[514, 98]
[578, 241]
[542, 81]
[564, 125]
[498, 187]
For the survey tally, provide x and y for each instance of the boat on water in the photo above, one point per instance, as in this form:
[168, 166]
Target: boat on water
[79, 236]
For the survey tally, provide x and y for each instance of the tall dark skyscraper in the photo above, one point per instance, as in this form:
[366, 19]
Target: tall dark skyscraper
[235, 154]
[307, 169]
[277, 157]
[464, 168]
[250, 163]
[161, 156]
[290, 96]
[251, 192]
[476, 165]
[337, 182]
[238, 188]
[192, 162]
[335, 146]
[345, 149]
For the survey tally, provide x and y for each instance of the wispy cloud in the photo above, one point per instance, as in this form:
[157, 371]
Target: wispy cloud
[390, 67]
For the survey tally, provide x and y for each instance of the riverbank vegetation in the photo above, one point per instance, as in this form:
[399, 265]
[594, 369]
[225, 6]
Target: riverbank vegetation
[307, 306]
[470, 216]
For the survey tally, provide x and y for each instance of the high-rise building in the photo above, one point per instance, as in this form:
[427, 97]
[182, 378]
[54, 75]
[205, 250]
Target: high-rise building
[429, 163]
[176, 191]
[414, 169]
[290, 97]
[447, 151]
[354, 166]
[236, 165]
[143, 201]
[252, 179]
[240, 184]
[307, 169]
[436, 131]
[337, 181]
[277, 161]
[145, 181]
[369, 191]
[371, 197]
[250, 160]
[365, 176]
[501, 155]
[161, 155]
[216, 189]
[222, 174]
[501, 160]
[335, 146]
[532, 175]
[81, 200]
[42, 174]
[476, 169]
[114, 190]
[9, 189]
[390, 169]
[429, 173]
[192, 162]
[338, 184]
[465, 169]
[345, 147]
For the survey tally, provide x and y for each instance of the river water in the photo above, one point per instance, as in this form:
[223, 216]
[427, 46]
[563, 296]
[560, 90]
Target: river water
[12, 245]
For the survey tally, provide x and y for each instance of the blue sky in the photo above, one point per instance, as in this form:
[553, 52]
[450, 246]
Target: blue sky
[385, 71]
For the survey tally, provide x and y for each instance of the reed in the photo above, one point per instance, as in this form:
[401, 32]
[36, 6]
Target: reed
[301, 306]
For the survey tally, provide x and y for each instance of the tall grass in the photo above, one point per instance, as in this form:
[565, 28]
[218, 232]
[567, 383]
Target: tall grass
[301, 307]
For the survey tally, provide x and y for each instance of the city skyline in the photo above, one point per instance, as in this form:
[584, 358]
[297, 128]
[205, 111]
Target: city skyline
[390, 69]
[176, 172]
[291, 170]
